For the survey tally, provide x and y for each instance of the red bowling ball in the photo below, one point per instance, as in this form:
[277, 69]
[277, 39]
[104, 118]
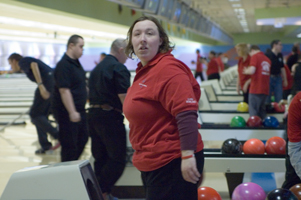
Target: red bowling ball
[277, 107]
[254, 121]
[296, 189]
[253, 146]
[275, 145]
[208, 193]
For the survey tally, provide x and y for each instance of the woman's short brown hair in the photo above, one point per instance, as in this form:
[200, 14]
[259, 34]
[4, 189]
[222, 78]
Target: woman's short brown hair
[164, 47]
[243, 47]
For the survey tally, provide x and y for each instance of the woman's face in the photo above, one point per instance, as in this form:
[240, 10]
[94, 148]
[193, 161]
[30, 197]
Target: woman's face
[146, 40]
[239, 51]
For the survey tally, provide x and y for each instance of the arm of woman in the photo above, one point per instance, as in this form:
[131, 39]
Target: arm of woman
[188, 129]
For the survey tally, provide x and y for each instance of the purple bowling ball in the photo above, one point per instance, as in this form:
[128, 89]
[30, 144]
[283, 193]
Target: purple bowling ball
[248, 191]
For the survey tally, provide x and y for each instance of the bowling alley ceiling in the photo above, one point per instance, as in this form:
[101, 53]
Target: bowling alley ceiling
[241, 16]
[232, 16]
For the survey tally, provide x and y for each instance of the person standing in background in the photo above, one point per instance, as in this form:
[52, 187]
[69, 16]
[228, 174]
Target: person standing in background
[220, 62]
[101, 57]
[293, 58]
[213, 68]
[259, 69]
[199, 66]
[278, 74]
[69, 100]
[243, 80]
[108, 84]
[42, 74]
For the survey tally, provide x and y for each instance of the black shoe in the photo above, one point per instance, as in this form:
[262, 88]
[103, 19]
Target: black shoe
[40, 151]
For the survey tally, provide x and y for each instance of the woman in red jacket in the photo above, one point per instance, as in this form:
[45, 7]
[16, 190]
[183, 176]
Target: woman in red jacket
[162, 106]
[243, 80]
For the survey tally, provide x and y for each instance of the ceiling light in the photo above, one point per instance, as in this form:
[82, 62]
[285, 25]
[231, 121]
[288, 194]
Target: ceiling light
[236, 5]
[239, 10]
[53, 27]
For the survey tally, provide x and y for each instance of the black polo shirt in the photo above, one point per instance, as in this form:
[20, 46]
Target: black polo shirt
[46, 72]
[70, 74]
[277, 62]
[108, 79]
[293, 59]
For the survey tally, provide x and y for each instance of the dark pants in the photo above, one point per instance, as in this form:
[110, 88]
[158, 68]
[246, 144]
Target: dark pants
[39, 117]
[213, 76]
[257, 105]
[200, 74]
[43, 127]
[246, 97]
[285, 94]
[167, 182]
[73, 136]
[291, 178]
[108, 138]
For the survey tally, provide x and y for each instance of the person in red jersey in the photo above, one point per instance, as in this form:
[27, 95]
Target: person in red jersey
[259, 69]
[294, 133]
[199, 66]
[161, 107]
[213, 68]
[220, 62]
[290, 81]
[243, 80]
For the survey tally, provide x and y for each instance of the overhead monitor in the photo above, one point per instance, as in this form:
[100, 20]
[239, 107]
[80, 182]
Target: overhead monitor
[176, 12]
[184, 14]
[165, 8]
[136, 3]
[151, 6]
[192, 19]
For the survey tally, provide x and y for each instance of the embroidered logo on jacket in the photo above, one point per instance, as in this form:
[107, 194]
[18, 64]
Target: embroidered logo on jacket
[190, 100]
[142, 84]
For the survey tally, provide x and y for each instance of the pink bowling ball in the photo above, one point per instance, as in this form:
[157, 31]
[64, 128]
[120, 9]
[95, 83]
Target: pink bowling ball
[248, 191]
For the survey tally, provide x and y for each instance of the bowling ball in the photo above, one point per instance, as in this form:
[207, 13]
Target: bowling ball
[242, 107]
[238, 121]
[253, 146]
[296, 189]
[281, 194]
[248, 191]
[275, 145]
[231, 146]
[254, 121]
[271, 121]
[208, 193]
[276, 107]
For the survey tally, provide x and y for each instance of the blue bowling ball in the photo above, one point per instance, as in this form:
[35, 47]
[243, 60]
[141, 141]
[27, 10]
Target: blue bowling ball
[270, 121]
[281, 194]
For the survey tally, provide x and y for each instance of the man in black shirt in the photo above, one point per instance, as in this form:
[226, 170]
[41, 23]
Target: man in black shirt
[40, 73]
[277, 71]
[69, 99]
[108, 84]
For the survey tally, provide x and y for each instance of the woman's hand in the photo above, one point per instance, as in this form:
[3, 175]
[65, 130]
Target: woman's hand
[189, 170]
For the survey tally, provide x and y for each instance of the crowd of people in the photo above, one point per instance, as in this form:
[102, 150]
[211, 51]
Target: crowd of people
[161, 106]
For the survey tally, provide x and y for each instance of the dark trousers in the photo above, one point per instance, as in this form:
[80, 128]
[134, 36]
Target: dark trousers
[72, 136]
[108, 137]
[286, 93]
[291, 178]
[246, 97]
[43, 127]
[213, 76]
[167, 182]
[39, 117]
[200, 74]
[257, 105]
